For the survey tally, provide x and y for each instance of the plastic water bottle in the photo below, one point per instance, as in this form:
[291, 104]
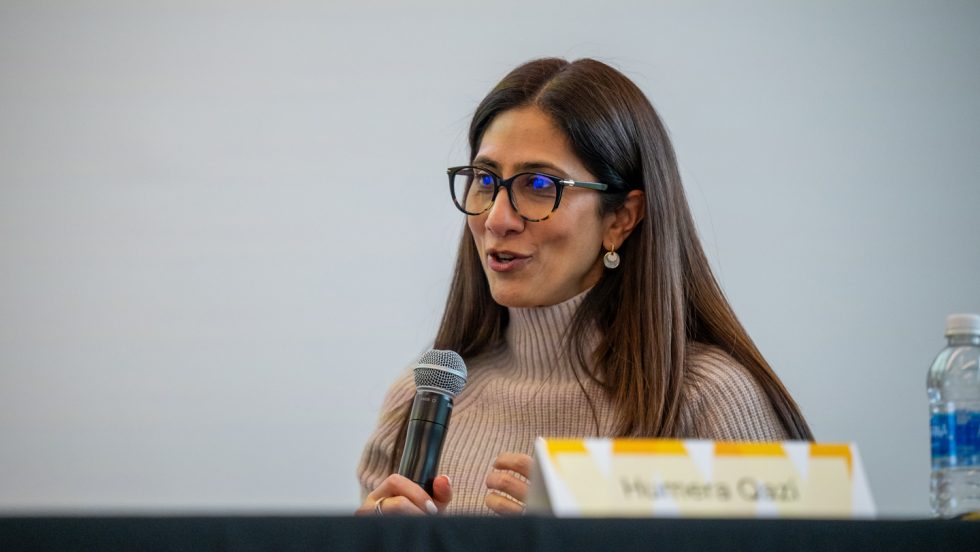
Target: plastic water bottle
[954, 403]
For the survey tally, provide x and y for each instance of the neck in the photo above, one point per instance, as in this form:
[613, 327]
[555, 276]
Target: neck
[536, 336]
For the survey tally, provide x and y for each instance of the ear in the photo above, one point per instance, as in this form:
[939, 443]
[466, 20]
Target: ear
[621, 222]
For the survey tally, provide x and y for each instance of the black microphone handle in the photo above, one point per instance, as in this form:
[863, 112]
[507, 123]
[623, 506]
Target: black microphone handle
[424, 437]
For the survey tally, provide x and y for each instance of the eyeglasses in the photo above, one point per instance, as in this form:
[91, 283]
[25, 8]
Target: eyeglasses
[534, 196]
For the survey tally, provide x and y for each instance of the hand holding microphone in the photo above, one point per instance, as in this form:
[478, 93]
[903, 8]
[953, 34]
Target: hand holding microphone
[439, 377]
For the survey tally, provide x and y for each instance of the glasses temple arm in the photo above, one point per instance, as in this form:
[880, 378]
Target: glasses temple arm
[590, 185]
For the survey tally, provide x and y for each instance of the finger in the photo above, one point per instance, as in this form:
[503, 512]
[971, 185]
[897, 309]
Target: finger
[514, 461]
[442, 491]
[366, 509]
[400, 486]
[503, 505]
[400, 506]
[507, 482]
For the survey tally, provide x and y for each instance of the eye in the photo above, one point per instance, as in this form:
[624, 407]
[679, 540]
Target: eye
[483, 180]
[541, 183]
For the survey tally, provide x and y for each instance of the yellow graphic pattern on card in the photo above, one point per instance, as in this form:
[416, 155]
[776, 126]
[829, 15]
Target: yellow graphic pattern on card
[833, 451]
[648, 446]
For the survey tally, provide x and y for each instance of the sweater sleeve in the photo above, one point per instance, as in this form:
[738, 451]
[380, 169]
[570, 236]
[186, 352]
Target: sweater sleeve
[723, 402]
[377, 459]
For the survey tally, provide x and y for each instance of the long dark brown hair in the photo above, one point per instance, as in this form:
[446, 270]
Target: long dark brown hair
[663, 296]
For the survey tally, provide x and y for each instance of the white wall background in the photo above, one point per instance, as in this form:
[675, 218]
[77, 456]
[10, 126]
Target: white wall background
[224, 227]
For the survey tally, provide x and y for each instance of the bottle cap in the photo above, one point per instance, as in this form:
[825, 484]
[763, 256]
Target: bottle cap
[963, 324]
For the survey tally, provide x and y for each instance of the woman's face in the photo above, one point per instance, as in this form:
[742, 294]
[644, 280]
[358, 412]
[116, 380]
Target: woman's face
[531, 264]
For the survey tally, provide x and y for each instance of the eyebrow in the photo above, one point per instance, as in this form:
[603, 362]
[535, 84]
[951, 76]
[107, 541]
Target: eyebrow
[524, 166]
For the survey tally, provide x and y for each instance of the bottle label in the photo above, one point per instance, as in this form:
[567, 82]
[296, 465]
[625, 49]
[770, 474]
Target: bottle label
[955, 439]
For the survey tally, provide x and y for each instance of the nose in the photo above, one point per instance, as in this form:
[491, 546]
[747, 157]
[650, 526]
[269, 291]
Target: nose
[502, 219]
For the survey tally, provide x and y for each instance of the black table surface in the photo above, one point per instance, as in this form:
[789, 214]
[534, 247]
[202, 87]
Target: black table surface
[287, 533]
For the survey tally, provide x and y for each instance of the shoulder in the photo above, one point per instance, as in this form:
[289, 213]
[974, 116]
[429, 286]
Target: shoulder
[723, 401]
[377, 460]
[401, 390]
[712, 371]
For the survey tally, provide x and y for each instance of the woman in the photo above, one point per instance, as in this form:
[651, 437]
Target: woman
[582, 301]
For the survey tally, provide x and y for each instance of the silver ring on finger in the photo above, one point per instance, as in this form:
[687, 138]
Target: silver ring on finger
[377, 506]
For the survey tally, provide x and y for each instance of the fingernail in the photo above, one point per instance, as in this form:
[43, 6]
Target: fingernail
[431, 507]
[450, 481]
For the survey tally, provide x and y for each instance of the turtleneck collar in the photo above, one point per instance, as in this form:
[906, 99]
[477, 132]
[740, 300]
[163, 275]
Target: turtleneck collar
[535, 334]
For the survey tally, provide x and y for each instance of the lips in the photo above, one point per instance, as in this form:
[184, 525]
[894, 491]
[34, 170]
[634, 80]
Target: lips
[499, 260]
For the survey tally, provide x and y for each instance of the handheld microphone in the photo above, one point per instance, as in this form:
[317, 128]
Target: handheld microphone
[439, 376]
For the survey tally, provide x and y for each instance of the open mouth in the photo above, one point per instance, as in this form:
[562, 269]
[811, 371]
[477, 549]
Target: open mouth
[504, 261]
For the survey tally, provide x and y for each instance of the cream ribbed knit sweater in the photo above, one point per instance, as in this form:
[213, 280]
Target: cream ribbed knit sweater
[528, 390]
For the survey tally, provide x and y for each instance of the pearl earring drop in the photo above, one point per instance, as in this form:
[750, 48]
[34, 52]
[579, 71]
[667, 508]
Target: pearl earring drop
[611, 258]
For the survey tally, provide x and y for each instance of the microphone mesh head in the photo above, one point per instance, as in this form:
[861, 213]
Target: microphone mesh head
[442, 371]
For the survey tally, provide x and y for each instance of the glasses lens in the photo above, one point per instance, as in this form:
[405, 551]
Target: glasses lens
[535, 195]
[473, 190]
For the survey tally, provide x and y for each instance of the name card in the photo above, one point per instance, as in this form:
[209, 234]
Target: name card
[691, 478]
